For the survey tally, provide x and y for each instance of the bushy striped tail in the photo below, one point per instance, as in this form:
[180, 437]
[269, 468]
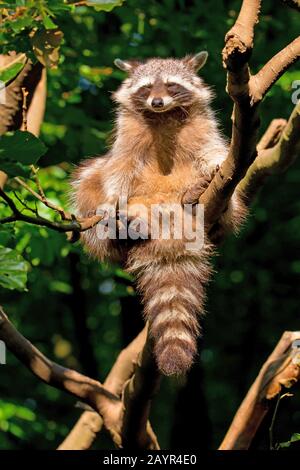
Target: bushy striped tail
[174, 299]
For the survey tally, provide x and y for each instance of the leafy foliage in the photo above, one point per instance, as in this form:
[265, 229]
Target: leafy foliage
[18, 149]
[13, 269]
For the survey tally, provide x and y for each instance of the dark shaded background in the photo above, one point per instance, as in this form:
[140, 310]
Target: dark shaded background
[80, 313]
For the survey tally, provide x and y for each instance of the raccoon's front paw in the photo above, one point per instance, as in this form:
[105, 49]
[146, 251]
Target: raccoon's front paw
[193, 193]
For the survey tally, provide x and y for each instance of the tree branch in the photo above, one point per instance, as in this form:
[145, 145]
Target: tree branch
[68, 380]
[272, 134]
[42, 197]
[276, 159]
[281, 369]
[246, 91]
[138, 393]
[76, 225]
[106, 402]
[261, 83]
[89, 425]
[242, 151]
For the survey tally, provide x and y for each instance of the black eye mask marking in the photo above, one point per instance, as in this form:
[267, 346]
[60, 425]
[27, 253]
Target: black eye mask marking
[179, 93]
[143, 92]
[175, 88]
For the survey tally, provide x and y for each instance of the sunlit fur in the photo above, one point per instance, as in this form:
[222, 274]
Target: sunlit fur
[155, 157]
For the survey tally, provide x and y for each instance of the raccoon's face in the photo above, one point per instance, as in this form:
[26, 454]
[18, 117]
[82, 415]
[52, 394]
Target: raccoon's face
[160, 85]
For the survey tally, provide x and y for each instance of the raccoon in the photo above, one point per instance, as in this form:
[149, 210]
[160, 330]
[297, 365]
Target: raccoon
[166, 141]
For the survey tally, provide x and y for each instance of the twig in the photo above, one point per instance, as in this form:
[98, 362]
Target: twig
[75, 225]
[42, 198]
[23, 203]
[25, 93]
[271, 428]
[78, 4]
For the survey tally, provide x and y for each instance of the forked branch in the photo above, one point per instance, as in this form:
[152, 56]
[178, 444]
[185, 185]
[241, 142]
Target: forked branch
[242, 151]
[74, 225]
[129, 379]
[247, 91]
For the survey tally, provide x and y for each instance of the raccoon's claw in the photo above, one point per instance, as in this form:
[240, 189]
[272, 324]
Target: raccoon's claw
[192, 195]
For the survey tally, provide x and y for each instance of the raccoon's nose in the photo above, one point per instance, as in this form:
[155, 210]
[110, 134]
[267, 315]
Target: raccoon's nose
[157, 103]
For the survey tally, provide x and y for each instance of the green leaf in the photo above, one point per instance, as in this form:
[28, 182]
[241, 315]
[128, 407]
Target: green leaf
[58, 7]
[18, 149]
[21, 23]
[7, 233]
[17, 430]
[21, 146]
[11, 72]
[13, 269]
[104, 5]
[13, 168]
[123, 274]
[295, 438]
[48, 23]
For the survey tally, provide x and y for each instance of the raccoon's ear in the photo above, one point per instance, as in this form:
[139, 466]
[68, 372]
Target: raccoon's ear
[127, 66]
[197, 61]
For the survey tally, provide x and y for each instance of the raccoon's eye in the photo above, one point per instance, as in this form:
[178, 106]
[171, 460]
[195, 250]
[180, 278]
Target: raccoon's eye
[174, 87]
[144, 91]
[146, 88]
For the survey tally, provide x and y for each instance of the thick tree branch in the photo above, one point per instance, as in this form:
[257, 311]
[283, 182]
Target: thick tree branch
[281, 369]
[11, 109]
[138, 393]
[275, 159]
[246, 91]
[68, 380]
[242, 151]
[136, 397]
[272, 134]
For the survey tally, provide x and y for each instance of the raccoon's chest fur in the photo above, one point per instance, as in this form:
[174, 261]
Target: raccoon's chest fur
[165, 187]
